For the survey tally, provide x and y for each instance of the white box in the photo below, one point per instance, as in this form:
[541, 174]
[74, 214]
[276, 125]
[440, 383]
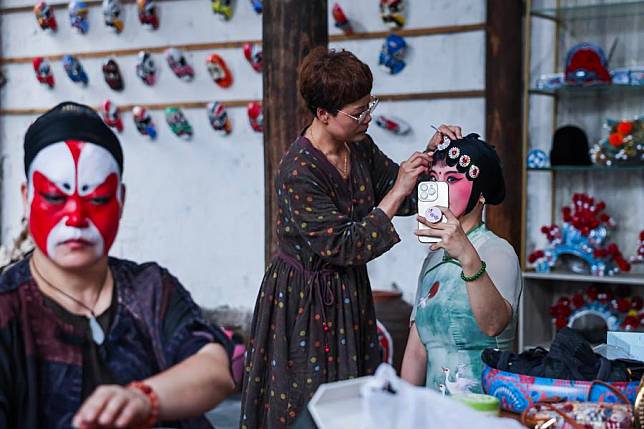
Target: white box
[630, 342]
[338, 405]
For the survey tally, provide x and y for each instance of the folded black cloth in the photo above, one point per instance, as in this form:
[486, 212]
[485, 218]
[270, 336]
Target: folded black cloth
[570, 358]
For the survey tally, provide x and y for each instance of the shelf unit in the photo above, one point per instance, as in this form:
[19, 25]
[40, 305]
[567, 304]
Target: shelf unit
[609, 23]
[587, 168]
[591, 91]
[555, 276]
[614, 9]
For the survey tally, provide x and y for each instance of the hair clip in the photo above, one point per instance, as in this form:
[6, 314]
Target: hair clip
[454, 152]
[474, 171]
[464, 161]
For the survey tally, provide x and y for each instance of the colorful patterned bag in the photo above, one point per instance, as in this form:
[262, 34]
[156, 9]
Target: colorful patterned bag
[580, 415]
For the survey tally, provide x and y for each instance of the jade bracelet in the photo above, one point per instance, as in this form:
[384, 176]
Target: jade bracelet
[475, 276]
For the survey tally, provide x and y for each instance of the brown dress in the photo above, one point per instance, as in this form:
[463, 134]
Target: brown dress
[314, 318]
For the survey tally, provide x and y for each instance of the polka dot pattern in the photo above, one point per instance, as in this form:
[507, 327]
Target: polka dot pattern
[314, 317]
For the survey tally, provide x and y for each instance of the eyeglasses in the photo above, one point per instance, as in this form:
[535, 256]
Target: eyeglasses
[363, 115]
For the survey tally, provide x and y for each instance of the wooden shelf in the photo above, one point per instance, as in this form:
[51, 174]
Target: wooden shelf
[63, 5]
[468, 93]
[128, 107]
[590, 91]
[589, 169]
[413, 32]
[243, 103]
[134, 51]
[626, 279]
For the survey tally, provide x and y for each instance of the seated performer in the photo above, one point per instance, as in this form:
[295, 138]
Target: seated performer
[87, 340]
[470, 283]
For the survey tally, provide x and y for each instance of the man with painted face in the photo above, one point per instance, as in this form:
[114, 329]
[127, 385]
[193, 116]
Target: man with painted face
[470, 282]
[87, 340]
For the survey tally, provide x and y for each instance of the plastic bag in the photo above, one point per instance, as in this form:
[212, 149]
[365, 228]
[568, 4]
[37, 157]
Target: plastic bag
[389, 402]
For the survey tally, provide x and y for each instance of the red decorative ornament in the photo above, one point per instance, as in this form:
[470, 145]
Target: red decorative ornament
[341, 20]
[619, 312]
[592, 293]
[561, 322]
[625, 127]
[623, 305]
[578, 300]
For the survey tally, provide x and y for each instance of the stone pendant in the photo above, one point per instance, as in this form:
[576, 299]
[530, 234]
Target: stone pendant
[97, 332]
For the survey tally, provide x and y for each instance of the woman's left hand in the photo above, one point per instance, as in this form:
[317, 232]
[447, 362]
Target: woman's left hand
[453, 238]
[113, 406]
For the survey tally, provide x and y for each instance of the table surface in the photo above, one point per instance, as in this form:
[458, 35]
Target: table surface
[305, 421]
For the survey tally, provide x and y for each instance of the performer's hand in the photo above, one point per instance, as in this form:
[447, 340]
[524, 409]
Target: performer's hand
[113, 406]
[452, 132]
[453, 238]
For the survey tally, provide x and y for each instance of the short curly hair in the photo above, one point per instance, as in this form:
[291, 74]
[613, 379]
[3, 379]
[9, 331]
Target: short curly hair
[332, 79]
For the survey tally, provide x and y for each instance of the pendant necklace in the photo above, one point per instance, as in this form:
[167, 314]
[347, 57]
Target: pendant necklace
[344, 172]
[98, 335]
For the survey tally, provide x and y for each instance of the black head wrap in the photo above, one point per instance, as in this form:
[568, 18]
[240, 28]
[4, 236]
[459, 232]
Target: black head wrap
[480, 164]
[70, 121]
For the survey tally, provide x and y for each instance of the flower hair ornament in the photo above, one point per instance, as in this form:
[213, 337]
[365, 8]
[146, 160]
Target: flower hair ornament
[464, 160]
[480, 164]
[454, 152]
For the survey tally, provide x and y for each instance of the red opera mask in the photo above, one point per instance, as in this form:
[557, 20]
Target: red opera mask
[75, 197]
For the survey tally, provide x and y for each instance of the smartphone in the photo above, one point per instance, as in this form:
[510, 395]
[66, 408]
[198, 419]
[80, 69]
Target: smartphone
[431, 194]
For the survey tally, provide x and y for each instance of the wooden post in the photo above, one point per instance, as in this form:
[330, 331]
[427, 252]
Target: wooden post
[503, 106]
[291, 28]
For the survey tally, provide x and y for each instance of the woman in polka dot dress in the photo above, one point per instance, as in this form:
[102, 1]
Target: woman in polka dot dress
[314, 319]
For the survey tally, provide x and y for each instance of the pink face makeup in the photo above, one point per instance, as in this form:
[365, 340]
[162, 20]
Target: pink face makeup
[460, 188]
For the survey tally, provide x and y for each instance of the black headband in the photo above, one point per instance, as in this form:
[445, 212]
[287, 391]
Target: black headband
[70, 121]
[480, 164]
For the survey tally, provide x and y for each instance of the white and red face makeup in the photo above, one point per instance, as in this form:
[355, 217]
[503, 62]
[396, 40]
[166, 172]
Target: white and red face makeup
[460, 187]
[74, 198]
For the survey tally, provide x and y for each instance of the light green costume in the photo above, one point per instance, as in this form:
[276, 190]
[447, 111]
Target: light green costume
[444, 319]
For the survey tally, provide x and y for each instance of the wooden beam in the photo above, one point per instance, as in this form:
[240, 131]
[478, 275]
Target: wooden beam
[503, 107]
[413, 32]
[62, 5]
[290, 29]
[473, 93]
[126, 107]
[467, 93]
[233, 44]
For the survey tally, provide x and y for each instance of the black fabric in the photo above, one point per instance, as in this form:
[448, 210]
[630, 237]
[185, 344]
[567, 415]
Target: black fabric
[70, 121]
[95, 371]
[570, 358]
[41, 375]
[490, 182]
[570, 147]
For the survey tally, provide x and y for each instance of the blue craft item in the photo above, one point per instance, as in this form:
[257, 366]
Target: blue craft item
[258, 6]
[537, 159]
[78, 11]
[574, 243]
[550, 81]
[393, 53]
[74, 70]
